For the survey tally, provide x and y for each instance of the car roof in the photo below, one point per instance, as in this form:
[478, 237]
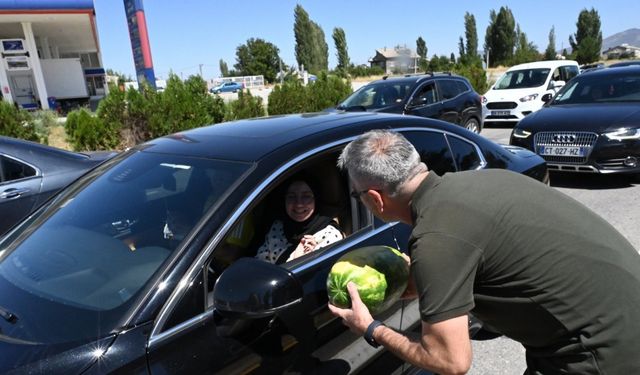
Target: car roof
[18, 147]
[410, 78]
[543, 64]
[252, 139]
[617, 70]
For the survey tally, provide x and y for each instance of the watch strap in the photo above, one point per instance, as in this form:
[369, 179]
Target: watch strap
[368, 334]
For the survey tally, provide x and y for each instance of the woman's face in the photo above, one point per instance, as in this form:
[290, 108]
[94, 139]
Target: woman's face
[299, 201]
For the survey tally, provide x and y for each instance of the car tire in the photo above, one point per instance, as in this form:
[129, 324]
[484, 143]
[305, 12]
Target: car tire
[472, 125]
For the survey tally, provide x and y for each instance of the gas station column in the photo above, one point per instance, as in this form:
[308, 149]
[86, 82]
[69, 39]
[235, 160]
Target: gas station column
[4, 84]
[36, 68]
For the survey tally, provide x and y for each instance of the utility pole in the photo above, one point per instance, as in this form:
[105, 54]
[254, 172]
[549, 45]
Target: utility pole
[200, 66]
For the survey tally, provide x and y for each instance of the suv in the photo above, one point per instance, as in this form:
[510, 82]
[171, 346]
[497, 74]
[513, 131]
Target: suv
[525, 88]
[442, 96]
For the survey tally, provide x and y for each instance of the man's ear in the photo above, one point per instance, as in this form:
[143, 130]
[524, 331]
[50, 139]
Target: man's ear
[376, 199]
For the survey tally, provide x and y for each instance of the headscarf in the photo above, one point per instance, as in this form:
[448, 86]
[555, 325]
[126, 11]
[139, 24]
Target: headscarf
[295, 230]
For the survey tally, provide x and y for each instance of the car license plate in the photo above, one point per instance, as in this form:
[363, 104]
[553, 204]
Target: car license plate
[562, 151]
[500, 113]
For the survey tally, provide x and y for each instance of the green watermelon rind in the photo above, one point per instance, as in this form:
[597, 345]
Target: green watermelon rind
[383, 260]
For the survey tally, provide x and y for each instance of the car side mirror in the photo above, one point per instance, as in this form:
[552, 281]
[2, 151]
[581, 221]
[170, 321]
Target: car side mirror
[546, 98]
[251, 288]
[557, 84]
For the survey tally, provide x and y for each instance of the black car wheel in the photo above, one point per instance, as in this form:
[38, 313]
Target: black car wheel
[472, 125]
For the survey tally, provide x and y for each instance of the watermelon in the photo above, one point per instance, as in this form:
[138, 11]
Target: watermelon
[380, 273]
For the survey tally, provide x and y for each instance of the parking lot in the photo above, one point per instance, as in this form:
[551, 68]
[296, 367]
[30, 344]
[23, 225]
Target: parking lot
[615, 198]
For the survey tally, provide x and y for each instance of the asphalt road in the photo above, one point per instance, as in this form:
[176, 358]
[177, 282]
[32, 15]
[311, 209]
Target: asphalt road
[615, 198]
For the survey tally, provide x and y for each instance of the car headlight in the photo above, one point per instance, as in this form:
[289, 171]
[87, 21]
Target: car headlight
[528, 98]
[624, 133]
[520, 133]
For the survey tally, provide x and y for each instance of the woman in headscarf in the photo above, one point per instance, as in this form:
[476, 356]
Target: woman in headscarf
[301, 229]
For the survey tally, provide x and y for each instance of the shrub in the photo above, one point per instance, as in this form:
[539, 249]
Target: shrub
[293, 97]
[87, 132]
[43, 121]
[327, 91]
[247, 106]
[289, 97]
[476, 76]
[183, 105]
[16, 123]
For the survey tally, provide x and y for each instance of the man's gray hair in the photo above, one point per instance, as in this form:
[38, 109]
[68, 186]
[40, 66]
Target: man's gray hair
[381, 159]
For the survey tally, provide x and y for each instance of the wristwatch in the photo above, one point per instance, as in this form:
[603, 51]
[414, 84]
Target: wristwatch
[368, 335]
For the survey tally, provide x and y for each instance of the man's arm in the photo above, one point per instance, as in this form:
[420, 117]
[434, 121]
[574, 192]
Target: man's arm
[443, 347]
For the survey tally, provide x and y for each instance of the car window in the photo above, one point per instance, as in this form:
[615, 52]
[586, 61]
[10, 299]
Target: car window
[101, 244]
[568, 72]
[462, 86]
[425, 95]
[525, 78]
[465, 154]
[448, 89]
[248, 232]
[433, 149]
[377, 95]
[12, 170]
[600, 89]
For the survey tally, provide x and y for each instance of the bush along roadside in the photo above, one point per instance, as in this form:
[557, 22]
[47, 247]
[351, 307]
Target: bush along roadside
[292, 97]
[18, 123]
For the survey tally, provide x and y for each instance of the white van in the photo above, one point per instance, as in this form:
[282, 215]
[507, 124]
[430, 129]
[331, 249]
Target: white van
[525, 88]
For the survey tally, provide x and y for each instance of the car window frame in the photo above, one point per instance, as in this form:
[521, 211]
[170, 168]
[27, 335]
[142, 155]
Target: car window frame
[160, 334]
[18, 160]
[418, 89]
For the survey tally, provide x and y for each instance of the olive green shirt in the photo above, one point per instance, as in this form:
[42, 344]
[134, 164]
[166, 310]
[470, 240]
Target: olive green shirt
[532, 264]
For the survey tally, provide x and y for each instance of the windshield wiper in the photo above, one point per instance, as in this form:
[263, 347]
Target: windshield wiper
[8, 316]
[355, 108]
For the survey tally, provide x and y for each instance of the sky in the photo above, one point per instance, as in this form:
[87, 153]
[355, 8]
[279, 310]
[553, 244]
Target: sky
[189, 35]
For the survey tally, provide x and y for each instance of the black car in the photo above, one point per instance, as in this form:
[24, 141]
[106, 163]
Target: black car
[117, 272]
[30, 173]
[442, 96]
[592, 125]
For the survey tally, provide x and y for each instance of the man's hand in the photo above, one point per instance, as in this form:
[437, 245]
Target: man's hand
[358, 317]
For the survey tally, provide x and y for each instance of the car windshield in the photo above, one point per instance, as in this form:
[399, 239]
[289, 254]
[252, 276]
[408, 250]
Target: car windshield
[600, 89]
[522, 79]
[101, 242]
[377, 95]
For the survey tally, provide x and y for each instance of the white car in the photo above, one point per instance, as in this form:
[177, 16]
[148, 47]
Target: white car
[524, 89]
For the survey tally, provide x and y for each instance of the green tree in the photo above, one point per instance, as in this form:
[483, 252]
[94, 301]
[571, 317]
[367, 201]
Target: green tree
[587, 41]
[500, 38]
[471, 35]
[258, 57]
[312, 51]
[461, 51]
[525, 51]
[224, 69]
[421, 50]
[550, 52]
[340, 41]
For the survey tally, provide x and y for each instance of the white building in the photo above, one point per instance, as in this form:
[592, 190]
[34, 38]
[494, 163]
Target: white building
[50, 53]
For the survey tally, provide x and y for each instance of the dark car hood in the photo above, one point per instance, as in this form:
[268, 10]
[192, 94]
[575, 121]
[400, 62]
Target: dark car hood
[23, 357]
[583, 117]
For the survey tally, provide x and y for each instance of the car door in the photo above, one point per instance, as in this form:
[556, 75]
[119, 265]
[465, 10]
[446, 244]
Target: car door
[424, 102]
[449, 94]
[20, 185]
[191, 337]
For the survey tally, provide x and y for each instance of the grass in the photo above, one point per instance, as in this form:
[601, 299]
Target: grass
[58, 137]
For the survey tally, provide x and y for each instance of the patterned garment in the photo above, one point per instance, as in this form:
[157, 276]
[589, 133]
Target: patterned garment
[275, 242]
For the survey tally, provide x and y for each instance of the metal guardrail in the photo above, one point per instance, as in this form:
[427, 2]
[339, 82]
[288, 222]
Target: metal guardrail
[249, 82]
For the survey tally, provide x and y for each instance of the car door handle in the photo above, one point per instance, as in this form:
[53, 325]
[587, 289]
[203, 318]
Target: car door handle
[13, 193]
